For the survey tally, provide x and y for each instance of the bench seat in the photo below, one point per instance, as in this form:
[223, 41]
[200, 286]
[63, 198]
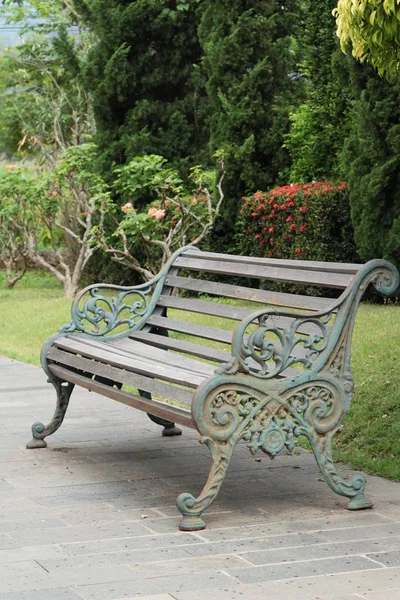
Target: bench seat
[236, 362]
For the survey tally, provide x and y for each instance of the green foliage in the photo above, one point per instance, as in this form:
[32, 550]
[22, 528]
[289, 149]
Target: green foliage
[371, 28]
[143, 73]
[320, 125]
[371, 162]
[308, 221]
[249, 61]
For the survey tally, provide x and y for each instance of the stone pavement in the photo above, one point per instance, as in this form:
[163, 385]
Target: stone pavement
[92, 517]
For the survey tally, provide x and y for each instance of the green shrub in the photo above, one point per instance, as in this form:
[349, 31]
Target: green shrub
[306, 221]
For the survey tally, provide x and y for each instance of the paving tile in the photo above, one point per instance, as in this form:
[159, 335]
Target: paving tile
[304, 569]
[361, 582]
[362, 533]
[183, 566]
[52, 594]
[7, 542]
[254, 545]
[393, 594]
[32, 553]
[167, 585]
[135, 543]
[129, 558]
[31, 524]
[80, 533]
[388, 559]
[315, 551]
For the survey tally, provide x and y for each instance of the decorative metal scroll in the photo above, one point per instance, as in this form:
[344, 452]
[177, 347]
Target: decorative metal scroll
[97, 314]
[272, 348]
[269, 422]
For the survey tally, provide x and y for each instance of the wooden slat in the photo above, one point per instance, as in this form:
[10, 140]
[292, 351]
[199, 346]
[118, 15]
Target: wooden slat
[254, 295]
[287, 275]
[330, 267]
[162, 356]
[165, 411]
[162, 341]
[103, 353]
[121, 376]
[215, 309]
[202, 331]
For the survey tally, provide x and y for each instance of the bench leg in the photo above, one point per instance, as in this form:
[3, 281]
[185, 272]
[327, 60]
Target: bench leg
[192, 508]
[169, 427]
[353, 489]
[39, 430]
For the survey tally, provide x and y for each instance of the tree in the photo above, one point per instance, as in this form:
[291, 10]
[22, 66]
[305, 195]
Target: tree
[56, 208]
[320, 125]
[249, 61]
[181, 213]
[371, 28]
[143, 72]
[372, 165]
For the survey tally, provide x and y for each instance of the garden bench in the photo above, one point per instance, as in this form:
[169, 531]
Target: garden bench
[268, 369]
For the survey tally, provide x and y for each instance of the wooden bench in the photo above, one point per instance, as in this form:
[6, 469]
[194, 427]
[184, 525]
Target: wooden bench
[265, 370]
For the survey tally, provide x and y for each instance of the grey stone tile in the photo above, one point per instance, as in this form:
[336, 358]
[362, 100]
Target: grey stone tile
[80, 533]
[158, 585]
[24, 524]
[271, 591]
[5, 486]
[337, 521]
[128, 544]
[52, 594]
[361, 582]
[183, 566]
[393, 594]
[304, 569]
[315, 551]
[253, 545]
[32, 553]
[7, 542]
[389, 559]
[127, 558]
[362, 533]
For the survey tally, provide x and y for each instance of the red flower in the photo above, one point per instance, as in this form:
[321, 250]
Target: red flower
[270, 230]
[289, 218]
[299, 251]
[302, 228]
[303, 209]
[270, 253]
[292, 227]
[256, 236]
[260, 207]
[282, 207]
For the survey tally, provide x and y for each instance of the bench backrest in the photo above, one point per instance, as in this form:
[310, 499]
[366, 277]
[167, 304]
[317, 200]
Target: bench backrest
[184, 315]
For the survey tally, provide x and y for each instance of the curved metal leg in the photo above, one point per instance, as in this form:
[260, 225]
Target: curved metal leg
[169, 428]
[39, 430]
[353, 489]
[192, 508]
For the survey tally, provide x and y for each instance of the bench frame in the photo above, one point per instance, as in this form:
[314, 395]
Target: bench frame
[247, 398]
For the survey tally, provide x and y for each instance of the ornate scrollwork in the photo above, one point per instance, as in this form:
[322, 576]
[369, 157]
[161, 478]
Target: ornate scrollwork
[269, 422]
[97, 314]
[272, 348]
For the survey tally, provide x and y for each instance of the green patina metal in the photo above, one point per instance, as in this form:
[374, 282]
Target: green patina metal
[250, 398]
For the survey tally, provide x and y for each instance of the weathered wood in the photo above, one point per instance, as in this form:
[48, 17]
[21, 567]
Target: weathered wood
[193, 329]
[288, 275]
[263, 297]
[172, 359]
[162, 341]
[130, 378]
[309, 265]
[215, 309]
[159, 409]
[144, 366]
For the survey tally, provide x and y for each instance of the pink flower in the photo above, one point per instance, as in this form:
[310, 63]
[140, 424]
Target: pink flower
[156, 213]
[127, 208]
[12, 167]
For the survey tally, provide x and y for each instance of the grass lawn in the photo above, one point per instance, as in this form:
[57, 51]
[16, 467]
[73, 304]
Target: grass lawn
[370, 439]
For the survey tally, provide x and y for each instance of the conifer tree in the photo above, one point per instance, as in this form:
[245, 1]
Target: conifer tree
[144, 76]
[372, 165]
[320, 125]
[249, 62]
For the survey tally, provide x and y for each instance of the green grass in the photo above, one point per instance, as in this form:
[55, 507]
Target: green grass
[370, 439]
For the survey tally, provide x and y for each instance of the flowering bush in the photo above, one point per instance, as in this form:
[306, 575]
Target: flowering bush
[306, 221]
